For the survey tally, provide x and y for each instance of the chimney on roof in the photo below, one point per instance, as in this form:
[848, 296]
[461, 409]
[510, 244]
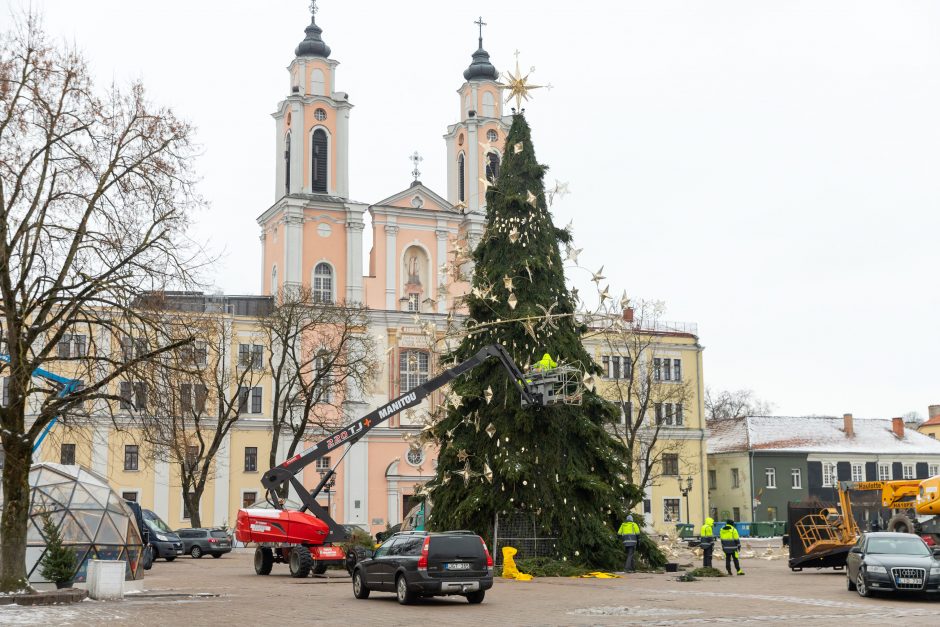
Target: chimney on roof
[933, 411]
[848, 425]
[897, 425]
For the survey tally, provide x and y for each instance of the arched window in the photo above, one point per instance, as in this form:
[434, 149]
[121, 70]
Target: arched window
[287, 164]
[319, 161]
[492, 167]
[412, 369]
[489, 105]
[323, 283]
[317, 83]
[460, 178]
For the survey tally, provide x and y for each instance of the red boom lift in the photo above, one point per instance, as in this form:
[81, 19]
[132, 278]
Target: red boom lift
[305, 541]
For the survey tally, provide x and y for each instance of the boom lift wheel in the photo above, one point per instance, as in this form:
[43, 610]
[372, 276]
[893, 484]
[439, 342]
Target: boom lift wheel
[901, 523]
[264, 560]
[354, 555]
[300, 562]
[319, 567]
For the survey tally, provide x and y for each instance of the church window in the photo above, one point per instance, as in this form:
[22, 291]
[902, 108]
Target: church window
[489, 105]
[319, 163]
[492, 167]
[412, 369]
[317, 83]
[320, 114]
[287, 164]
[414, 304]
[323, 283]
[415, 457]
[492, 136]
[461, 196]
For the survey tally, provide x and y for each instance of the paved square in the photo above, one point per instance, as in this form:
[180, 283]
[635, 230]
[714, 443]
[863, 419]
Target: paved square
[769, 593]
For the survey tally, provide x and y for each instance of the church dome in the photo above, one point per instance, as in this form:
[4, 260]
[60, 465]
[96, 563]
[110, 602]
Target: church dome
[313, 45]
[481, 68]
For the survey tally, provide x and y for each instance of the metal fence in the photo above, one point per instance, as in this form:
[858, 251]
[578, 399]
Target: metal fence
[522, 531]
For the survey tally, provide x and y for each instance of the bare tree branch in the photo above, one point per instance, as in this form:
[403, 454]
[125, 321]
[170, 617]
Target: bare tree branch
[320, 356]
[96, 195]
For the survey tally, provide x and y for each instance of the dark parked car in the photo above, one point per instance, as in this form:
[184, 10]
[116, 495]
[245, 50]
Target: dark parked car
[418, 563]
[199, 542]
[892, 562]
[163, 541]
[144, 530]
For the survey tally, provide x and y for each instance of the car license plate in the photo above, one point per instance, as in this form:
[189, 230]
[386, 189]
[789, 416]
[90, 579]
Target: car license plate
[458, 566]
[910, 581]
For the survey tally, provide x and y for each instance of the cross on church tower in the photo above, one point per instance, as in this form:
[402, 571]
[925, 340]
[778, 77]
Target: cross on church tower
[313, 7]
[416, 159]
[481, 24]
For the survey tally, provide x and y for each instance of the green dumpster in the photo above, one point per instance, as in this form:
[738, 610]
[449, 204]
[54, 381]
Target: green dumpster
[762, 529]
[685, 530]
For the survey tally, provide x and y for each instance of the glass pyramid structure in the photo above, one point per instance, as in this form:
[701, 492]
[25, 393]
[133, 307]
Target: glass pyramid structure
[92, 519]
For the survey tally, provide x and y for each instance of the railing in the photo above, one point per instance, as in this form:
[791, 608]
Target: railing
[603, 322]
[816, 531]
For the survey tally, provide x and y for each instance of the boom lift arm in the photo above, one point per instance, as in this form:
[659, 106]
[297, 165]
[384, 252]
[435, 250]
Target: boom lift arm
[528, 385]
[66, 386]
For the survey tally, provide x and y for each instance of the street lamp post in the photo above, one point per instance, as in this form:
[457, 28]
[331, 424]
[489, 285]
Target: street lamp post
[685, 489]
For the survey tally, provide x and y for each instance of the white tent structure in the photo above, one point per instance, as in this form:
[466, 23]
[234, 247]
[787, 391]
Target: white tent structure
[92, 519]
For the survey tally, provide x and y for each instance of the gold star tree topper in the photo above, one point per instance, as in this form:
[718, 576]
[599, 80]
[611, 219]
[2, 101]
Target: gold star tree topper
[517, 85]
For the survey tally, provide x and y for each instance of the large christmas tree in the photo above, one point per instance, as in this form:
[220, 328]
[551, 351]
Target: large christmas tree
[557, 463]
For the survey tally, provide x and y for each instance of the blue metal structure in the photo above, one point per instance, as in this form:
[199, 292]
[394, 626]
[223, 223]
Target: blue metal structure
[67, 387]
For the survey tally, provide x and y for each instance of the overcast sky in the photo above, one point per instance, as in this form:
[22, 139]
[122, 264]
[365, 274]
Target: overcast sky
[766, 168]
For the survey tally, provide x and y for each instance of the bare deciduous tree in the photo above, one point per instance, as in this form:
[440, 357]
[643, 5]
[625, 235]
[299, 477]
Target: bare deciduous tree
[651, 391]
[196, 394]
[320, 356]
[726, 404]
[96, 192]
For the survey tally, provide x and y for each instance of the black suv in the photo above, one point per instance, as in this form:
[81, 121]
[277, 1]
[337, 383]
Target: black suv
[419, 563]
[199, 542]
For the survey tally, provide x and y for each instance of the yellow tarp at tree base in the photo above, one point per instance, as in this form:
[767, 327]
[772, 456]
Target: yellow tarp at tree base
[598, 575]
[510, 571]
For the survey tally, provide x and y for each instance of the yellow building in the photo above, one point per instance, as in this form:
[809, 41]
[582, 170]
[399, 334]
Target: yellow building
[653, 370]
[931, 427]
[111, 441]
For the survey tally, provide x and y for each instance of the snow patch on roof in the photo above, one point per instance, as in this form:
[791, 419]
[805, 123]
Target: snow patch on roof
[814, 435]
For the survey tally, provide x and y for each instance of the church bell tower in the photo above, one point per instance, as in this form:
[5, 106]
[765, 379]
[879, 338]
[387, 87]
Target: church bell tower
[313, 123]
[312, 234]
[475, 143]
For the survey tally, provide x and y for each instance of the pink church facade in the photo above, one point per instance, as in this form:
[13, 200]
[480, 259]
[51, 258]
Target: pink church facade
[312, 235]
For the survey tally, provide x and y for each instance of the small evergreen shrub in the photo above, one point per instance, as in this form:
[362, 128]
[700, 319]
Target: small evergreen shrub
[58, 564]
